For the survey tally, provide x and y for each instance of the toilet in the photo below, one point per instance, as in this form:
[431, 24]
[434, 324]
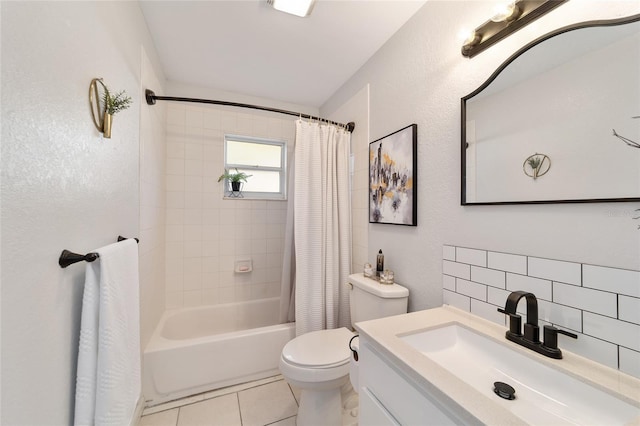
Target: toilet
[318, 363]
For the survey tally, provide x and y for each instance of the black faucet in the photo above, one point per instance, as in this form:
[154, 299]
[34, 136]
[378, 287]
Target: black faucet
[531, 337]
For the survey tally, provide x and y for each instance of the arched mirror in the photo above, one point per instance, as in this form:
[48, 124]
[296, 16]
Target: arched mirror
[559, 121]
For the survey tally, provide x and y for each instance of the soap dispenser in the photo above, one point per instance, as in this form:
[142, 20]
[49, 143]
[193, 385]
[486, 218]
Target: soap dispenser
[379, 263]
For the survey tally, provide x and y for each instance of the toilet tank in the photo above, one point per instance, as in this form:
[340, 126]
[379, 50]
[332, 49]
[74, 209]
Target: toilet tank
[371, 300]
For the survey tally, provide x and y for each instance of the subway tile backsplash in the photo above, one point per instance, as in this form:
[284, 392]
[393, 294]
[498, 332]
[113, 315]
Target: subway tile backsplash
[600, 304]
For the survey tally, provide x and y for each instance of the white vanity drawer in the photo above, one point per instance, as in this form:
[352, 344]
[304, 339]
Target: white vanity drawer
[372, 412]
[404, 402]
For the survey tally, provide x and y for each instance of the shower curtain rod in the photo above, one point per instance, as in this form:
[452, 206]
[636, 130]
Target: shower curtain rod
[152, 98]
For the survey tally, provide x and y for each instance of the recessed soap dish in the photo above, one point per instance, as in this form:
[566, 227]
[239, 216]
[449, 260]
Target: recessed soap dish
[243, 266]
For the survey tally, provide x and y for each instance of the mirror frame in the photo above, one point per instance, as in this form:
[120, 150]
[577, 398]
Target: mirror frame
[463, 118]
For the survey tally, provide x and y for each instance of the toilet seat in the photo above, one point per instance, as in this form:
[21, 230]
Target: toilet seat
[319, 349]
[317, 356]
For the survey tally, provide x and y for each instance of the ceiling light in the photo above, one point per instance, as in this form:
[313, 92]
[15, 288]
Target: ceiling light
[300, 8]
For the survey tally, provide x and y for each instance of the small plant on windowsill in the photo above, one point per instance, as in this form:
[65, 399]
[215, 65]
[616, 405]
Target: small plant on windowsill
[234, 179]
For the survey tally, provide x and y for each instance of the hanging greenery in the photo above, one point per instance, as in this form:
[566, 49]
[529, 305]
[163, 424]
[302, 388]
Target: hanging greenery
[115, 103]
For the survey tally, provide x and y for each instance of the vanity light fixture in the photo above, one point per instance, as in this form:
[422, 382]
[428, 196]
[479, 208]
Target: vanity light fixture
[506, 12]
[507, 19]
[299, 8]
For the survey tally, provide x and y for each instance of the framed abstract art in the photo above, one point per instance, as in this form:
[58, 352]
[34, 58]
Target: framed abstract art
[393, 167]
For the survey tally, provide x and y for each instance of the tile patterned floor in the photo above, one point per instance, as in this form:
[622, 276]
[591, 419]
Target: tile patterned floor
[270, 401]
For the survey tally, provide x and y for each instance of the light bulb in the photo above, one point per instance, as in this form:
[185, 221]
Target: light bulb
[504, 12]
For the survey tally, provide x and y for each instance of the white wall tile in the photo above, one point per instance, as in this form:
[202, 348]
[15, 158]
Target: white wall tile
[471, 289]
[620, 281]
[487, 311]
[173, 300]
[459, 270]
[589, 347]
[175, 150]
[507, 262]
[174, 183]
[174, 216]
[176, 116]
[560, 315]
[193, 151]
[449, 282]
[175, 249]
[192, 200]
[471, 256]
[497, 296]
[175, 166]
[193, 184]
[174, 283]
[457, 300]
[192, 249]
[629, 309]
[192, 282]
[555, 270]
[600, 302]
[449, 253]
[192, 232]
[630, 362]
[612, 330]
[211, 119]
[607, 323]
[210, 264]
[174, 233]
[194, 167]
[539, 287]
[194, 117]
[490, 277]
[192, 216]
[192, 298]
[175, 200]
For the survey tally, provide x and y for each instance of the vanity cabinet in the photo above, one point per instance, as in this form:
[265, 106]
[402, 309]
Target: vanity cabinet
[389, 396]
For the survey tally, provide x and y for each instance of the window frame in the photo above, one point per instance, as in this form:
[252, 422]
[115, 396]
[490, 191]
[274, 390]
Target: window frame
[256, 195]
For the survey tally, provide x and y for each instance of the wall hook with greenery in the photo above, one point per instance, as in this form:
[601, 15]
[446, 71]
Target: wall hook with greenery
[104, 106]
[536, 165]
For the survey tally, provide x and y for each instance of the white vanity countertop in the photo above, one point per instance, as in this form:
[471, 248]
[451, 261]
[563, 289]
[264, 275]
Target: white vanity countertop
[384, 335]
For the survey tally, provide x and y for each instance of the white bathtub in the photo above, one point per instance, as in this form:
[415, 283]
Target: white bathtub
[195, 350]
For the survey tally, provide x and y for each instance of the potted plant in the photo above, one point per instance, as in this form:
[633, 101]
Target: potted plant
[113, 104]
[235, 179]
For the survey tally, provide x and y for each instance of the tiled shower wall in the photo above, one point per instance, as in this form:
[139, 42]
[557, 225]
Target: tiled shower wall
[600, 304]
[206, 234]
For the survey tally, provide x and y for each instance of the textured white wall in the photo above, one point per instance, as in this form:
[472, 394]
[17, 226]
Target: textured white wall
[152, 202]
[63, 185]
[419, 77]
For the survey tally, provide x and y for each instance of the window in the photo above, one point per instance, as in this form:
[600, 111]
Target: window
[263, 159]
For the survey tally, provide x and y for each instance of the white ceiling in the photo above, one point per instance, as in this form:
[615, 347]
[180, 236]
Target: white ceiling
[247, 47]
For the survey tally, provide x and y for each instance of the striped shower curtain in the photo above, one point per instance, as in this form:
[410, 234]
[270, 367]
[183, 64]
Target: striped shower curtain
[322, 226]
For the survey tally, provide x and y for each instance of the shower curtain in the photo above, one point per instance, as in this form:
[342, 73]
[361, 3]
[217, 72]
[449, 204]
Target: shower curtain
[321, 218]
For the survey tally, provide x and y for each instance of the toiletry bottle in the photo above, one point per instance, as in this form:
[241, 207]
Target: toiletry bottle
[379, 263]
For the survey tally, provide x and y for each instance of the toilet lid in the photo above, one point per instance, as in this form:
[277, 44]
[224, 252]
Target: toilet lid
[319, 349]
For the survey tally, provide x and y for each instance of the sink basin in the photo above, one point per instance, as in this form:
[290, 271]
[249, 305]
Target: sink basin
[543, 395]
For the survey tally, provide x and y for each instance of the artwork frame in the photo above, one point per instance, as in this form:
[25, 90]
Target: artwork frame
[393, 178]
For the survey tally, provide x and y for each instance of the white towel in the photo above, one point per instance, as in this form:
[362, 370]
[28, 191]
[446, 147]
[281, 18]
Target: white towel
[108, 380]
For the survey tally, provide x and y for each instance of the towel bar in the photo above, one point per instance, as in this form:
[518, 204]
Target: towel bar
[69, 258]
